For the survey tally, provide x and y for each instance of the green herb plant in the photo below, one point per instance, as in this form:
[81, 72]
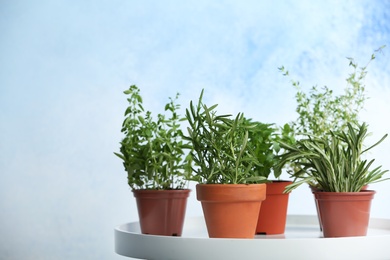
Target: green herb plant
[335, 163]
[264, 142]
[320, 110]
[152, 150]
[221, 151]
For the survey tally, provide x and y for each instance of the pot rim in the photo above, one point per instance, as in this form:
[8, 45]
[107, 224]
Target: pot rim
[231, 192]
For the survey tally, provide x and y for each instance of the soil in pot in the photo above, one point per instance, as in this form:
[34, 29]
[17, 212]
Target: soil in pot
[344, 214]
[273, 212]
[161, 212]
[231, 210]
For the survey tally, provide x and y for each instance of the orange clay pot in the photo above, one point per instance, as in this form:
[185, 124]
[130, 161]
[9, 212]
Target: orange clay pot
[314, 189]
[161, 212]
[231, 210]
[273, 212]
[344, 214]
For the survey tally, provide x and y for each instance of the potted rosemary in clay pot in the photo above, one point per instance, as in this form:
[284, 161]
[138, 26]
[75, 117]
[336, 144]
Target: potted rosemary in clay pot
[321, 110]
[337, 166]
[223, 160]
[153, 156]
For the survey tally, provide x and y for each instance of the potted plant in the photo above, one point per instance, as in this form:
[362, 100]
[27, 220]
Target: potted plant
[320, 110]
[153, 157]
[264, 141]
[230, 194]
[336, 165]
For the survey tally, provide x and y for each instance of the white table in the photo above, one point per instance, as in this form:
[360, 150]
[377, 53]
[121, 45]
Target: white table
[302, 240]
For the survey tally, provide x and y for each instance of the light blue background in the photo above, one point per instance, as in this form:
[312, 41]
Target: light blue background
[64, 65]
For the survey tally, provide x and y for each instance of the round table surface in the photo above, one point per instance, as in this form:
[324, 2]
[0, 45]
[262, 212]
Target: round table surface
[301, 240]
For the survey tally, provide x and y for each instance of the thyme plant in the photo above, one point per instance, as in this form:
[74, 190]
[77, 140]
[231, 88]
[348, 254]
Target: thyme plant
[320, 110]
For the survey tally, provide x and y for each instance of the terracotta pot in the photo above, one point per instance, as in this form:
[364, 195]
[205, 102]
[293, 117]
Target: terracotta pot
[161, 212]
[344, 214]
[315, 189]
[231, 210]
[273, 212]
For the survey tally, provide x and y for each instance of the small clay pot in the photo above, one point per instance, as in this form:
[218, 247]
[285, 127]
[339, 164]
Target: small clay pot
[231, 210]
[344, 214]
[315, 189]
[161, 212]
[273, 212]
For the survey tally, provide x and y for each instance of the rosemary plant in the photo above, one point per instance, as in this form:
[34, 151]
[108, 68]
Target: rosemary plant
[334, 163]
[321, 111]
[221, 152]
